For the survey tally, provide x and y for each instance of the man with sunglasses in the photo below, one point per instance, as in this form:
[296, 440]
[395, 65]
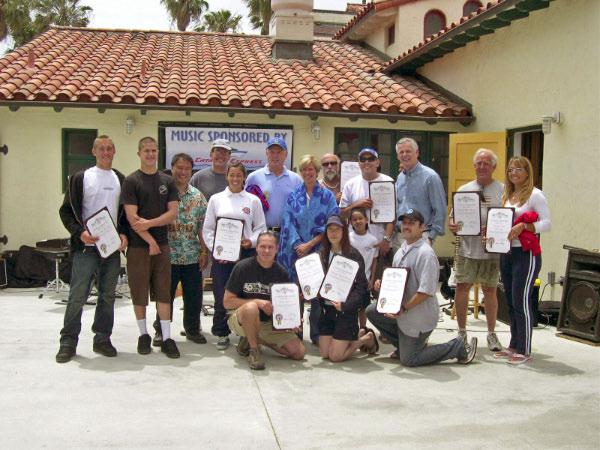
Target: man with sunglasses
[356, 195]
[331, 175]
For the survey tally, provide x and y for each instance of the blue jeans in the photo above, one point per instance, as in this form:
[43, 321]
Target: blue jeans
[85, 264]
[220, 276]
[191, 285]
[413, 351]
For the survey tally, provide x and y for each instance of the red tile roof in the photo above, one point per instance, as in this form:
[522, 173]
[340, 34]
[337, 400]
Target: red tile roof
[104, 68]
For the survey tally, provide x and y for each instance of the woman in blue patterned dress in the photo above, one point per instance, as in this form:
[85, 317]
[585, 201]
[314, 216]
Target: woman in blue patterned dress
[306, 212]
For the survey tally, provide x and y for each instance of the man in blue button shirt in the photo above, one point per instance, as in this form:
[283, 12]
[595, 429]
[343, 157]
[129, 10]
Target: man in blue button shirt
[275, 181]
[419, 187]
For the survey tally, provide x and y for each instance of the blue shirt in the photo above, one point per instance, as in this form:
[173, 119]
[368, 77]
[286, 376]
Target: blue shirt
[276, 190]
[421, 188]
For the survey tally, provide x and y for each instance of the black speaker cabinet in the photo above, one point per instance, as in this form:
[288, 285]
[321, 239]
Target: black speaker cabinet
[579, 309]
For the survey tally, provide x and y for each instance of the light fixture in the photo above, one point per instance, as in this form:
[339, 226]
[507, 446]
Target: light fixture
[547, 121]
[316, 131]
[129, 124]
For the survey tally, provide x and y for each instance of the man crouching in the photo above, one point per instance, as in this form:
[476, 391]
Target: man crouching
[247, 292]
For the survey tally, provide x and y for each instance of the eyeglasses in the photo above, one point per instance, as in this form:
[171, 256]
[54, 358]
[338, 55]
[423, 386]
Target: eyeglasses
[515, 169]
[327, 164]
[364, 160]
[275, 234]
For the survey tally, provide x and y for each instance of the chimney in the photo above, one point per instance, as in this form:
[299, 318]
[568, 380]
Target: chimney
[292, 29]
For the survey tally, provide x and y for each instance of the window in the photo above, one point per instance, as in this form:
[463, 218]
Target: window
[433, 148]
[391, 34]
[471, 6]
[435, 21]
[76, 152]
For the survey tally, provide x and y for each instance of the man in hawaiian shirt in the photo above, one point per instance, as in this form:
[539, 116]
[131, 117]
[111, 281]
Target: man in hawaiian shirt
[189, 255]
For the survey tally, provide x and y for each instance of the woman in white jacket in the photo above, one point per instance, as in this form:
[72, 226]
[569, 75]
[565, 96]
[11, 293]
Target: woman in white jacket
[233, 203]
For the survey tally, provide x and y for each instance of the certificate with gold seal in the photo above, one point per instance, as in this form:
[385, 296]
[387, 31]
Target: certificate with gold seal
[101, 225]
[499, 224]
[339, 279]
[285, 298]
[383, 196]
[391, 294]
[310, 275]
[466, 207]
[227, 244]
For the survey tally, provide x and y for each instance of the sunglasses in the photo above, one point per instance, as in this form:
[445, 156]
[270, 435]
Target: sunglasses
[327, 164]
[275, 234]
[364, 160]
[515, 169]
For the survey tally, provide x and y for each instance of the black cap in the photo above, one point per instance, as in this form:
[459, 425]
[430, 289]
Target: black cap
[412, 214]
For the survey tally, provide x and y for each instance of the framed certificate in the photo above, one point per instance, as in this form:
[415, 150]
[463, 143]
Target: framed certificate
[286, 306]
[349, 169]
[227, 244]
[310, 275]
[383, 196]
[391, 294]
[101, 225]
[339, 279]
[466, 207]
[499, 223]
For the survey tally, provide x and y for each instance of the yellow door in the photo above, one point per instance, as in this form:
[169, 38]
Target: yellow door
[462, 149]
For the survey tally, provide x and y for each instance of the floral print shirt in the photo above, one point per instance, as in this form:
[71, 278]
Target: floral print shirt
[184, 243]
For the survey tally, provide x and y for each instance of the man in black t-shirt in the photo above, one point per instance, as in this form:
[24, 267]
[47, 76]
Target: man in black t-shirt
[150, 199]
[247, 292]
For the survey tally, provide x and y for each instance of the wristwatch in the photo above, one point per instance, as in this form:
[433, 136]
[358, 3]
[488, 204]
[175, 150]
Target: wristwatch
[388, 238]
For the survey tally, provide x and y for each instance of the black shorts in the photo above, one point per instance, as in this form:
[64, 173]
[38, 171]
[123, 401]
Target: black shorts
[342, 326]
[366, 300]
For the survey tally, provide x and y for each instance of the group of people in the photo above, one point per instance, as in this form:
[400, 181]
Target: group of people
[168, 224]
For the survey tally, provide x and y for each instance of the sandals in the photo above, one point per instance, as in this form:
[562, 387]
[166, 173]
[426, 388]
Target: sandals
[504, 354]
[375, 347]
[517, 358]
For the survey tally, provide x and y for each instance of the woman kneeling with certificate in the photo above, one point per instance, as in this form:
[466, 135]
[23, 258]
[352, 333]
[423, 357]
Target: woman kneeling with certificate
[340, 336]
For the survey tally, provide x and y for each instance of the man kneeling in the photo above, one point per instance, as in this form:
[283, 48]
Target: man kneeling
[247, 292]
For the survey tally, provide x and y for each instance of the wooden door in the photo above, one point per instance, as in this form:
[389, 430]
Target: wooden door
[462, 149]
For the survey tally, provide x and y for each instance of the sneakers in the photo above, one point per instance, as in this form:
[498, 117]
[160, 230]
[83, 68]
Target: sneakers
[223, 343]
[463, 336]
[143, 347]
[255, 359]
[169, 347]
[197, 338]
[493, 342]
[65, 354]
[157, 341]
[243, 347]
[471, 351]
[105, 348]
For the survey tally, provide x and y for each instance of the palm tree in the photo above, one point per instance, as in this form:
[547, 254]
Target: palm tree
[220, 22]
[182, 12]
[260, 14]
[16, 17]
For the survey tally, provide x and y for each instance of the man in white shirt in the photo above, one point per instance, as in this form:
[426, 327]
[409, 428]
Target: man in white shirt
[90, 191]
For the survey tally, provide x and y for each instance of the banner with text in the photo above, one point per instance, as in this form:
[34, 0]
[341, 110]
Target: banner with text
[249, 144]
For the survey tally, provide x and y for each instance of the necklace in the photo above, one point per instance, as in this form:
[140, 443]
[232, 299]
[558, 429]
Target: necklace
[329, 186]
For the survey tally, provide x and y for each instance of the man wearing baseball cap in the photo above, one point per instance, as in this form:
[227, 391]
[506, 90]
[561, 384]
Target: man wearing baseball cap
[356, 195]
[409, 330]
[275, 181]
[212, 180]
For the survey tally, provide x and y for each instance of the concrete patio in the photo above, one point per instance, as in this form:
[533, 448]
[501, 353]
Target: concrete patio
[209, 399]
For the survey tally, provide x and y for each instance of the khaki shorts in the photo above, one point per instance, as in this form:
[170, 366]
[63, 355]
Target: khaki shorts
[147, 273]
[266, 332]
[484, 271]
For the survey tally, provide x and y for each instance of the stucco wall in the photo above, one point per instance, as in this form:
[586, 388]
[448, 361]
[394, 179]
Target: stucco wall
[544, 63]
[30, 175]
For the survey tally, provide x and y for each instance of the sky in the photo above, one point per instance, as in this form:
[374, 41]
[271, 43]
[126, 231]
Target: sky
[151, 15]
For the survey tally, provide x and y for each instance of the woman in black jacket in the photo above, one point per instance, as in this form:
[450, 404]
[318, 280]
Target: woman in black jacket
[340, 336]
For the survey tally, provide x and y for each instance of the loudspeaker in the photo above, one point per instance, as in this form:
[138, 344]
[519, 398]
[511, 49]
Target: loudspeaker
[580, 304]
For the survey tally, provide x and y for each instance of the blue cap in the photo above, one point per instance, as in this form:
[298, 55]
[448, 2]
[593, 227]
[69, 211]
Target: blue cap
[368, 150]
[277, 141]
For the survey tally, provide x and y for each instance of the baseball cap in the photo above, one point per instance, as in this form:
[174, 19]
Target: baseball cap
[223, 143]
[368, 150]
[277, 141]
[336, 219]
[412, 214]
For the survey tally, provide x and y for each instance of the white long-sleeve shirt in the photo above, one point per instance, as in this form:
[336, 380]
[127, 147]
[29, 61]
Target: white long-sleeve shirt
[242, 206]
[537, 202]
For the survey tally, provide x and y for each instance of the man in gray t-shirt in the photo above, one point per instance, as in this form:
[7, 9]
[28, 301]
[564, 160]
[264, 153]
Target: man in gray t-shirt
[409, 330]
[213, 180]
[473, 264]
